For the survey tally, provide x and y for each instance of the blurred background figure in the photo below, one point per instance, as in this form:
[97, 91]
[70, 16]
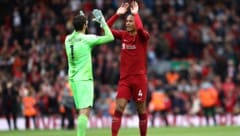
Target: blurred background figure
[196, 106]
[10, 103]
[159, 104]
[178, 105]
[208, 96]
[29, 106]
[66, 106]
[194, 40]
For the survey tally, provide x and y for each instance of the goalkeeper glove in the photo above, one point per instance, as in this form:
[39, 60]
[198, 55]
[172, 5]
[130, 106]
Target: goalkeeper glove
[98, 17]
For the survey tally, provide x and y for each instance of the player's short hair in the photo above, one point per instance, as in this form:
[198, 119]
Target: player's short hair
[129, 14]
[79, 21]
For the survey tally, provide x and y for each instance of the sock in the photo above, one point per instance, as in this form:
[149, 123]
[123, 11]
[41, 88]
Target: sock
[82, 125]
[116, 122]
[143, 124]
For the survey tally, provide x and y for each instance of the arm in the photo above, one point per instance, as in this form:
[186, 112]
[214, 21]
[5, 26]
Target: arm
[107, 37]
[121, 10]
[140, 28]
[134, 10]
[112, 20]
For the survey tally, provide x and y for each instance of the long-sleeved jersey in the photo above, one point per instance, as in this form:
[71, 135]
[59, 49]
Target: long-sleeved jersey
[134, 48]
[78, 49]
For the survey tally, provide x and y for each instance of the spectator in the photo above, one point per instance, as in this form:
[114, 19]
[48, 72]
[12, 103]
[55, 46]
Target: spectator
[66, 106]
[32, 35]
[10, 103]
[29, 107]
[208, 97]
[159, 104]
[178, 105]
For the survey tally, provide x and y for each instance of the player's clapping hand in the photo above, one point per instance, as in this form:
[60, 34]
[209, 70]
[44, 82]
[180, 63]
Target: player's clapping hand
[123, 8]
[134, 7]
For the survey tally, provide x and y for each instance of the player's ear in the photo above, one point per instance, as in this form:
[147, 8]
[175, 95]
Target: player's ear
[85, 26]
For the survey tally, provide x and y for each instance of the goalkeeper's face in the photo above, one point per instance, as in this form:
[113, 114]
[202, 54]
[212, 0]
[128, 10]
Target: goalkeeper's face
[130, 24]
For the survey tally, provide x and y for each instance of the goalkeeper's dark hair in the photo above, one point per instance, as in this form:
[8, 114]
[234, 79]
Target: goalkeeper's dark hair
[79, 21]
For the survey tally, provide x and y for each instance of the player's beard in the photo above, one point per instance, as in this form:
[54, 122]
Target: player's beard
[130, 29]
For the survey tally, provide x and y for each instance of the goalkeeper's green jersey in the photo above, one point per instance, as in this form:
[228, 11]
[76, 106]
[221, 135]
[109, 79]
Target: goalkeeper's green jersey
[78, 48]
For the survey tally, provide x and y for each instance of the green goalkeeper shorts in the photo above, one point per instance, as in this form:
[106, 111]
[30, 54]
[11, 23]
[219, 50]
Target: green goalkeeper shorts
[82, 93]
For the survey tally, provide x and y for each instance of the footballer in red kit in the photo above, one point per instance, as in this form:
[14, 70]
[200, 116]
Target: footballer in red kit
[133, 66]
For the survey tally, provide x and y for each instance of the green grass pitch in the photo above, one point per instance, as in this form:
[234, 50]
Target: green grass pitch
[170, 131]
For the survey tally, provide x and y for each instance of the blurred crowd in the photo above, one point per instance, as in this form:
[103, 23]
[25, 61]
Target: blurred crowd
[194, 44]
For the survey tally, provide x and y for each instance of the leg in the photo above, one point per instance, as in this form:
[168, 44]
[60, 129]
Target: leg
[34, 121]
[117, 117]
[63, 120]
[27, 123]
[163, 113]
[82, 121]
[207, 119]
[141, 108]
[206, 114]
[69, 115]
[153, 118]
[139, 95]
[122, 99]
[8, 120]
[213, 113]
[83, 98]
[14, 121]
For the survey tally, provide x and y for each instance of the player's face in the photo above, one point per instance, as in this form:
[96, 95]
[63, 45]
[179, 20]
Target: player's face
[130, 24]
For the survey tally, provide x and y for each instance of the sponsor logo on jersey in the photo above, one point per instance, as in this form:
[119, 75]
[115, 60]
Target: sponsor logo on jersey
[140, 94]
[128, 46]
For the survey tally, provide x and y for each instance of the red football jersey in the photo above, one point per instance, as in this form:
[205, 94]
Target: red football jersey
[134, 48]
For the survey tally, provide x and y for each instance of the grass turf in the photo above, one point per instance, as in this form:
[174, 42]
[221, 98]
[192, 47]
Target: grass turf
[170, 131]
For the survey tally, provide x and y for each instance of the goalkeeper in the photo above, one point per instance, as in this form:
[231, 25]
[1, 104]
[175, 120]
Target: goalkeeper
[78, 46]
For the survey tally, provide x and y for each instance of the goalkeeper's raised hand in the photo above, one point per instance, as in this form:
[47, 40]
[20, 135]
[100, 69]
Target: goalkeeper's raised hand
[98, 17]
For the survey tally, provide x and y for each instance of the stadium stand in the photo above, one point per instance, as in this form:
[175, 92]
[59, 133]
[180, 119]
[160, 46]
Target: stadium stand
[192, 42]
